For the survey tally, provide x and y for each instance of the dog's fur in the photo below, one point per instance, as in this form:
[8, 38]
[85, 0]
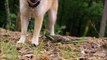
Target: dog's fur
[38, 12]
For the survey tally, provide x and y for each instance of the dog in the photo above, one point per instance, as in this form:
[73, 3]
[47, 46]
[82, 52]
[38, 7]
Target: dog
[37, 9]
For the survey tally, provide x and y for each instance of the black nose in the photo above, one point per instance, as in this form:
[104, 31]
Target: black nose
[33, 1]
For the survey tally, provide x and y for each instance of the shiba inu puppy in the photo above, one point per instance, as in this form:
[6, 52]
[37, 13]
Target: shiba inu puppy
[37, 9]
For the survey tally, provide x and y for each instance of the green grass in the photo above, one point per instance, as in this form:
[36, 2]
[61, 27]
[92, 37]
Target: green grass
[39, 49]
[8, 49]
[68, 53]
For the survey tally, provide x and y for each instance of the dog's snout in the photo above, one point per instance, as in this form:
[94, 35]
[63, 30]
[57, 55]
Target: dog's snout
[33, 1]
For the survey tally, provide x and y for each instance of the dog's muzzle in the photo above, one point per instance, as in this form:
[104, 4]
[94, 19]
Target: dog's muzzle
[33, 3]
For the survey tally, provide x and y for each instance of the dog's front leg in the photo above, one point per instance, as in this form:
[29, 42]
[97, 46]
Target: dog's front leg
[24, 26]
[37, 28]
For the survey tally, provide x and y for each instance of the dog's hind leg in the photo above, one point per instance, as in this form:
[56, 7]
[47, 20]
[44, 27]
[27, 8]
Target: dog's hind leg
[37, 28]
[24, 26]
[52, 16]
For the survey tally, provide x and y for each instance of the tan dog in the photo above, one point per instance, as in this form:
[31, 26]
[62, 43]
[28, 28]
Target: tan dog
[37, 10]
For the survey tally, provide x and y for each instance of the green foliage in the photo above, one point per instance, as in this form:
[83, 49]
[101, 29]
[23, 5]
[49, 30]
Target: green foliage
[75, 14]
[59, 29]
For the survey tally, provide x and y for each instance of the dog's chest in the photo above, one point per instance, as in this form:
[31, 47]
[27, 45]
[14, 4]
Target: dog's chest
[42, 7]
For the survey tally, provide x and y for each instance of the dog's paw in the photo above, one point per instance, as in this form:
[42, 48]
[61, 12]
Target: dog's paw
[52, 33]
[35, 42]
[22, 39]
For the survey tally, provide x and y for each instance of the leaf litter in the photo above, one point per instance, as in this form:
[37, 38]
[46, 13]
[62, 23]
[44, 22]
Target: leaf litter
[52, 47]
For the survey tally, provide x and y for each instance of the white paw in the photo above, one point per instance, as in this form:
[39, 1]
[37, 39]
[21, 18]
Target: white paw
[52, 33]
[22, 39]
[35, 41]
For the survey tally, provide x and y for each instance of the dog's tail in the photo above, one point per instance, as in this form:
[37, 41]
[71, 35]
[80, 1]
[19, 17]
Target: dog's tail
[33, 3]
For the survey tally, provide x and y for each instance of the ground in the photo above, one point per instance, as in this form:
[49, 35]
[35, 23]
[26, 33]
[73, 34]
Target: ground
[52, 47]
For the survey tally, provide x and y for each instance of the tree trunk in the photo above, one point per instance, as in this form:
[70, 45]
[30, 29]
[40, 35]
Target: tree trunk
[103, 21]
[8, 21]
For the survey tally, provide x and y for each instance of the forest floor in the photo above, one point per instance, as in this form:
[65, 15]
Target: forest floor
[52, 47]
